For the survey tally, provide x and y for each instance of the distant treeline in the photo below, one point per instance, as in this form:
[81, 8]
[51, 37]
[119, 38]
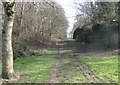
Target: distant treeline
[97, 23]
[107, 35]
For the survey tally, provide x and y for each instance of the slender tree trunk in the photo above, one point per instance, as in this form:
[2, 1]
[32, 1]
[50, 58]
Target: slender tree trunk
[119, 25]
[7, 52]
[21, 17]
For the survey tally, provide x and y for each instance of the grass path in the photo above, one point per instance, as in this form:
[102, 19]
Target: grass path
[65, 65]
[105, 67]
[87, 72]
[55, 71]
[57, 67]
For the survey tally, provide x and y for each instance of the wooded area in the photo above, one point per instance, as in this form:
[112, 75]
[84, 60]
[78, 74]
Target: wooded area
[100, 24]
[34, 37]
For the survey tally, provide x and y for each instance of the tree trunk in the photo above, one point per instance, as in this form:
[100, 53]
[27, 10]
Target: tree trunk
[119, 25]
[7, 52]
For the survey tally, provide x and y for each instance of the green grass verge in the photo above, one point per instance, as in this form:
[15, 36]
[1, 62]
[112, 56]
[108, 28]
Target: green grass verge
[106, 68]
[37, 69]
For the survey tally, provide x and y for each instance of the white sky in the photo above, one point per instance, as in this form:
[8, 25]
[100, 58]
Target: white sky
[69, 8]
[70, 11]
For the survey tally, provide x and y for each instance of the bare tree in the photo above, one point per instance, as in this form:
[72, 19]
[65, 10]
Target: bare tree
[43, 21]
